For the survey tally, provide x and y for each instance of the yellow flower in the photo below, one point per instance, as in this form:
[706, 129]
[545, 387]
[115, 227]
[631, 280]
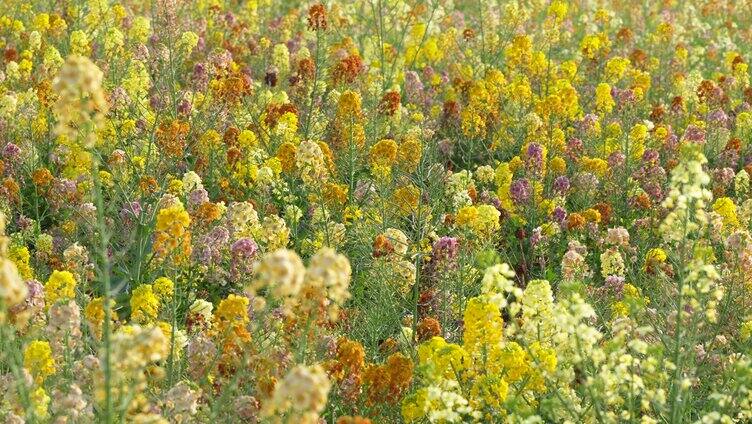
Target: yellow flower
[172, 236]
[38, 360]
[745, 332]
[516, 163]
[615, 68]
[286, 155]
[383, 153]
[590, 45]
[140, 29]
[94, 314]
[247, 139]
[466, 216]
[726, 208]
[20, 256]
[444, 360]
[163, 288]
[188, 41]
[503, 180]
[232, 312]
[415, 406]
[406, 199]
[655, 257]
[335, 195]
[514, 361]
[558, 9]
[544, 360]
[619, 309]
[487, 221]
[349, 104]
[175, 187]
[592, 215]
[558, 165]
[144, 304]
[483, 326]
[40, 402]
[60, 286]
[492, 390]
[597, 166]
[604, 103]
[409, 153]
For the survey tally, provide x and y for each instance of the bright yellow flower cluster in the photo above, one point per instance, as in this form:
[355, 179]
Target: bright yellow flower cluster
[38, 360]
[61, 285]
[482, 220]
[173, 238]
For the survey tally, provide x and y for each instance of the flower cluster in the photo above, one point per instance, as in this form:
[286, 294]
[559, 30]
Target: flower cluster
[375, 211]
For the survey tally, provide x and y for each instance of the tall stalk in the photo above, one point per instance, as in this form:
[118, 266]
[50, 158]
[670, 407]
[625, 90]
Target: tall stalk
[104, 276]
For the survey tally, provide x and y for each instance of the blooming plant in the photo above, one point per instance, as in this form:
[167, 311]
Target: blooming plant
[375, 211]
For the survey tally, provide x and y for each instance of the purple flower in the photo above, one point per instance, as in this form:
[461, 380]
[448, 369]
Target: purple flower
[11, 151]
[34, 299]
[130, 211]
[536, 237]
[446, 248]
[588, 122]
[574, 148]
[651, 156]
[616, 159]
[221, 59]
[229, 18]
[119, 98]
[559, 214]
[672, 142]
[654, 190]
[142, 53]
[719, 117]
[614, 285]
[623, 97]
[535, 157]
[64, 193]
[535, 151]
[212, 244]
[694, 134]
[244, 248]
[520, 191]
[561, 184]
[724, 176]
[197, 198]
[729, 158]
[586, 182]
[24, 222]
[185, 107]
[200, 76]
[444, 256]
[243, 252]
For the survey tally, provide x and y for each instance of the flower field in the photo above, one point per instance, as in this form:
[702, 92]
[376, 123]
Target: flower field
[375, 211]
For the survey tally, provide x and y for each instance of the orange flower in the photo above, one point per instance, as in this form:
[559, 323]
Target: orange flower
[390, 103]
[575, 221]
[171, 137]
[317, 17]
[42, 177]
[387, 383]
[353, 420]
[382, 246]
[347, 69]
[286, 156]
[427, 328]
